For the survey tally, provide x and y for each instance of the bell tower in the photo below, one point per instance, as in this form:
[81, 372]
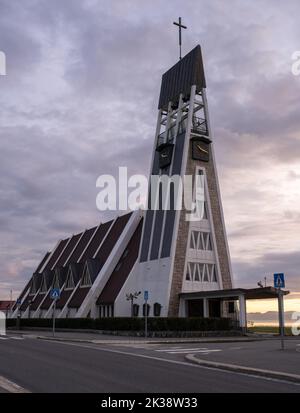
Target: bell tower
[178, 254]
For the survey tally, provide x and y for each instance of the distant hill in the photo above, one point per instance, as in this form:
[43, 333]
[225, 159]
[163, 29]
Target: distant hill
[268, 316]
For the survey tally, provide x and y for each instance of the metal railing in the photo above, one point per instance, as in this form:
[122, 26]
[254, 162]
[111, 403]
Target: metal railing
[162, 138]
[199, 126]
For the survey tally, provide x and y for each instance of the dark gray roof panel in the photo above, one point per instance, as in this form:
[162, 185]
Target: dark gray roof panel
[42, 262]
[96, 241]
[68, 249]
[181, 77]
[82, 245]
[59, 249]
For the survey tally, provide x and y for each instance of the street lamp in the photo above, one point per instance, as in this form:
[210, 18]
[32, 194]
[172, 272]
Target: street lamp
[132, 296]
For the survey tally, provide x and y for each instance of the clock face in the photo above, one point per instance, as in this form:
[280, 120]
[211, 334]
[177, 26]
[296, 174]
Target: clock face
[200, 150]
[165, 156]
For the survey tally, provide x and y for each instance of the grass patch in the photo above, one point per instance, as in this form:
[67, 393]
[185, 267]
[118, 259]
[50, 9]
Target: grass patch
[269, 329]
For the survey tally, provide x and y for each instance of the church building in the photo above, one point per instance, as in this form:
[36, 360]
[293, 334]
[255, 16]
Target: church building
[184, 265]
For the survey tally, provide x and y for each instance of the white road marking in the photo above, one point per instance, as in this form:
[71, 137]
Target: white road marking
[11, 387]
[193, 351]
[181, 349]
[173, 350]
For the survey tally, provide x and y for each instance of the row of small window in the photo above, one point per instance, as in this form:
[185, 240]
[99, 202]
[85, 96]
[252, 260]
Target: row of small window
[146, 308]
[201, 241]
[201, 272]
[108, 310]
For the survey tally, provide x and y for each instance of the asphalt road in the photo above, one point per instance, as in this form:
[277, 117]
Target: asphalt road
[51, 367]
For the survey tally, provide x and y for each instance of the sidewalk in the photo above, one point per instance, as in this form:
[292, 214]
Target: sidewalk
[265, 358]
[99, 338]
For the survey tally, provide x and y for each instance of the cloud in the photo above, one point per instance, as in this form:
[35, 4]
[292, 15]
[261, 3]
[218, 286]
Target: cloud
[80, 100]
[268, 264]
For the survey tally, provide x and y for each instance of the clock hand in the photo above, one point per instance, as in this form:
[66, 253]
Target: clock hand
[201, 149]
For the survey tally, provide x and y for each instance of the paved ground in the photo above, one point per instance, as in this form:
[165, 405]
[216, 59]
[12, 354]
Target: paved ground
[49, 366]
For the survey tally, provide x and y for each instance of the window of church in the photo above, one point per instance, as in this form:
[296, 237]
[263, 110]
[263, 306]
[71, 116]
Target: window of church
[44, 286]
[33, 288]
[86, 280]
[144, 310]
[214, 274]
[201, 241]
[197, 276]
[192, 240]
[206, 273]
[56, 282]
[157, 309]
[188, 276]
[208, 242]
[135, 310]
[205, 214]
[70, 282]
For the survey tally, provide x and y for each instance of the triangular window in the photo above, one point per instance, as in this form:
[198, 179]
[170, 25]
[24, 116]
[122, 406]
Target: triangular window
[44, 286]
[206, 274]
[70, 281]
[188, 275]
[33, 287]
[197, 273]
[56, 282]
[209, 243]
[214, 274]
[86, 279]
[205, 214]
[201, 269]
[201, 241]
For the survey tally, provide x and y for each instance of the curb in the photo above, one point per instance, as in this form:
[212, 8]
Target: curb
[81, 340]
[294, 378]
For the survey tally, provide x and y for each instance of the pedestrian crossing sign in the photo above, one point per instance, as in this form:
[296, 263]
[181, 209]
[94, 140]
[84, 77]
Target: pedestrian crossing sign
[279, 280]
[55, 293]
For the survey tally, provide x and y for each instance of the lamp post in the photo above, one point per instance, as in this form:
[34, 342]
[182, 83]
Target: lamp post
[132, 296]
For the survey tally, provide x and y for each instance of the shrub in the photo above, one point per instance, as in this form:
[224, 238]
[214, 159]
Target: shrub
[129, 324]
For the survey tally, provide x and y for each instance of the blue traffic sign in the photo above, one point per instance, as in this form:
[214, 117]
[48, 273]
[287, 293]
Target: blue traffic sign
[55, 293]
[146, 295]
[279, 280]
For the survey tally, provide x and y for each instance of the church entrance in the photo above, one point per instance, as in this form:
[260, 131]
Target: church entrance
[195, 308]
[214, 308]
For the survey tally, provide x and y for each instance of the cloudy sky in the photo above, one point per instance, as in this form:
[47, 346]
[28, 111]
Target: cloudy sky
[80, 99]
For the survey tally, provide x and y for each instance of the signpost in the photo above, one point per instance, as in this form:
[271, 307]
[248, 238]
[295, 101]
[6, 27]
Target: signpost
[279, 283]
[146, 297]
[54, 295]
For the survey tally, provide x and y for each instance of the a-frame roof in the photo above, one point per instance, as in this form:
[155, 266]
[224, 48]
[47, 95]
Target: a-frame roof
[90, 248]
[122, 269]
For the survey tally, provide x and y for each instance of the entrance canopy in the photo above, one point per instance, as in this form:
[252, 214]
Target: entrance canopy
[208, 303]
[234, 293]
